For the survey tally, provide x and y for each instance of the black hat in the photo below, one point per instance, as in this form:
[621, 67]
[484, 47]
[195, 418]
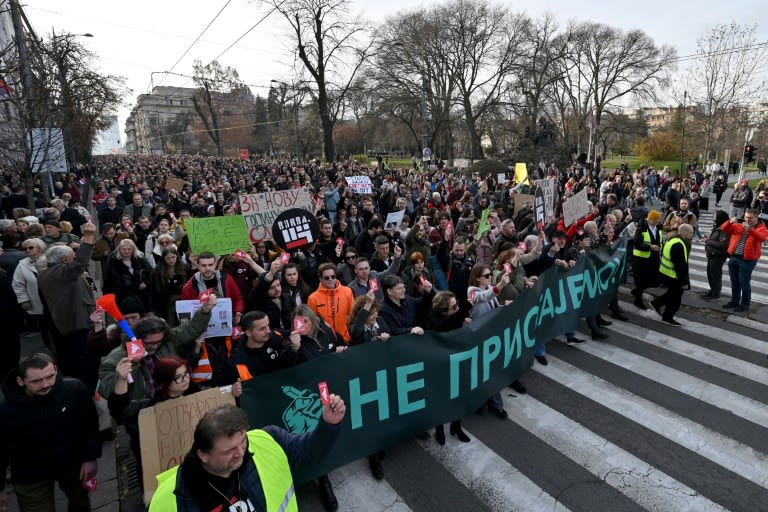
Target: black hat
[53, 222]
[132, 304]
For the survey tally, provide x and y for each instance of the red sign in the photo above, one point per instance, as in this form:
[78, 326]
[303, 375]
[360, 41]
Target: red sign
[244, 154]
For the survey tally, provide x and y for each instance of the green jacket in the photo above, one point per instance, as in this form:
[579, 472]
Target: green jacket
[182, 340]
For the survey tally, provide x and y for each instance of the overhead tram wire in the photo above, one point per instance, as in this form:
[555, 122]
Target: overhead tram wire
[196, 39]
[273, 9]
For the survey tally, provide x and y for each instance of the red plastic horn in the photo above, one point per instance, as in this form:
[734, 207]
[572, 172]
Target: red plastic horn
[108, 304]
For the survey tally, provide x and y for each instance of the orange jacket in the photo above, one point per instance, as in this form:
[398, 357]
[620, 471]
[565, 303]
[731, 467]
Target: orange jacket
[753, 247]
[333, 305]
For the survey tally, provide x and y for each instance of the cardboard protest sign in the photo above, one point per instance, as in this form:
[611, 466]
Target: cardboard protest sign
[261, 210]
[393, 220]
[174, 183]
[520, 200]
[220, 235]
[359, 184]
[549, 188]
[576, 207]
[166, 431]
[220, 323]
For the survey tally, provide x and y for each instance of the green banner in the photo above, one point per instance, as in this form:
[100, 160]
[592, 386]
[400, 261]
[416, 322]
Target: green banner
[483, 225]
[409, 384]
[220, 235]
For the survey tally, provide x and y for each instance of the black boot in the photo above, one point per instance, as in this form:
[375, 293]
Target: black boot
[440, 434]
[326, 494]
[456, 431]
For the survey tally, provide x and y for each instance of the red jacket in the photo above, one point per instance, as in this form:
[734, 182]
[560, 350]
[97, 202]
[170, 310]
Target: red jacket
[192, 291]
[753, 246]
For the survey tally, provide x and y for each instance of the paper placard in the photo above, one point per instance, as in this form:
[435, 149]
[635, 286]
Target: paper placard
[174, 183]
[393, 220]
[261, 210]
[166, 431]
[220, 323]
[549, 188]
[359, 184]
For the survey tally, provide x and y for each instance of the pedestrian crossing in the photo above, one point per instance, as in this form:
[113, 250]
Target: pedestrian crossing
[655, 418]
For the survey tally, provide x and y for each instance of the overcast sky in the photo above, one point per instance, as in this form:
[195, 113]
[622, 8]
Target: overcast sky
[141, 39]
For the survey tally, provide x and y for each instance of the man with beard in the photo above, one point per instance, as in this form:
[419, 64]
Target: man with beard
[50, 432]
[677, 217]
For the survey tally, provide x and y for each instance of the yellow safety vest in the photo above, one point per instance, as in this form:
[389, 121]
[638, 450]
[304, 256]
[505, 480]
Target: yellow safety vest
[667, 267]
[647, 239]
[271, 464]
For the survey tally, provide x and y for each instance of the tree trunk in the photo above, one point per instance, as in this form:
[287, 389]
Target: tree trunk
[327, 123]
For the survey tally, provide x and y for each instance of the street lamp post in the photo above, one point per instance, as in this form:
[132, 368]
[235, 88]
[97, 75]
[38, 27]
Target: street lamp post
[682, 134]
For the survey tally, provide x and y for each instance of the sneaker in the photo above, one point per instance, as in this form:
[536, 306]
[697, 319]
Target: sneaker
[542, 360]
[671, 321]
[712, 298]
[706, 295]
[742, 309]
[730, 305]
[599, 335]
[574, 341]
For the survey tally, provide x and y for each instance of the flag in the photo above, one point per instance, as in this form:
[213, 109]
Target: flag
[521, 174]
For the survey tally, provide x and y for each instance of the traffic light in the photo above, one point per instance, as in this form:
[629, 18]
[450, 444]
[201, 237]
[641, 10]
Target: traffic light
[749, 153]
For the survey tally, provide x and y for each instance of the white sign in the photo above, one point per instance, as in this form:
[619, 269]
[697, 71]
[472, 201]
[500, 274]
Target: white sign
[261, 210]
[427, 154]
[576, 207]
[359, 184]
[393, 220]
[549, 187]
[221, 316]
[47, 147]
[501, 177]
[461, 163]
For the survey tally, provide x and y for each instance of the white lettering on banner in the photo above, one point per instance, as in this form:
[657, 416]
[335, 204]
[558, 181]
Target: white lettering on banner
[296, 232]
[576, 207]
[261, 210]
[360, 184]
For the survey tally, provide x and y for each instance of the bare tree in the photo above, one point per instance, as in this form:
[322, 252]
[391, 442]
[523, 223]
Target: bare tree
[611, 65]
[332, 46]
[483, 44]
[724, 79]
[213, 81]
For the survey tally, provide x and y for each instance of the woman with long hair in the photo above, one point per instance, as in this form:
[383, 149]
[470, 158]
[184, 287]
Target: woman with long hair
[443, 317]
[314, 339]
[128, 273]
[165, 284]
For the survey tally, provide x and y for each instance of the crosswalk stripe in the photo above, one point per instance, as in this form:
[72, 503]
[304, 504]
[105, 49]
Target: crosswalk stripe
[724, 362]
[739, 405]
[728, 453]
[710, 331]
[353, 495]
[654, 490]
[497, 482]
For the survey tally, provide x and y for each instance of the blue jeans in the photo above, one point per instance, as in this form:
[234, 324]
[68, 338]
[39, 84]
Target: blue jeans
[740, 271]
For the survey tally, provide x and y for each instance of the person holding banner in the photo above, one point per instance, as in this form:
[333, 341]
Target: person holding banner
[232, 468]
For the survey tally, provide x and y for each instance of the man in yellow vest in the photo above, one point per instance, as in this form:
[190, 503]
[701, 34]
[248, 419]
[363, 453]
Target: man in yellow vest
[232, 469]
[646, 255]
[673, 272]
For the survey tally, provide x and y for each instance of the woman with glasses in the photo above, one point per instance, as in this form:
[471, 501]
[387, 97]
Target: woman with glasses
[160, 238]
[345, 270]
[483, 297]
[25, 286]
[444, 317]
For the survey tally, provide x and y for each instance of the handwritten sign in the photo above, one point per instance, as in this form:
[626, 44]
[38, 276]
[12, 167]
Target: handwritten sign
[359, 184]
[549, 188]
[261, 210]
[576, 207]
[220, 235]
[520, 200]
[166, 431]
[220, 323]
[174, 183]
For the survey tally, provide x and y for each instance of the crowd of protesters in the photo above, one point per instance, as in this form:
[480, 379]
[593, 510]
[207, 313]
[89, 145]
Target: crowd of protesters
[358, 283]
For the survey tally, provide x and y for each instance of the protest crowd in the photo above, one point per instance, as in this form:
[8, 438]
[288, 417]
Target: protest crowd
[398, 251]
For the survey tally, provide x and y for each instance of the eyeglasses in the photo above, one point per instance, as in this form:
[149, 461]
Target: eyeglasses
[181, 378]
[29, 247]
[329, 278]
[165, 242]
[487, 276]
[350, 257]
